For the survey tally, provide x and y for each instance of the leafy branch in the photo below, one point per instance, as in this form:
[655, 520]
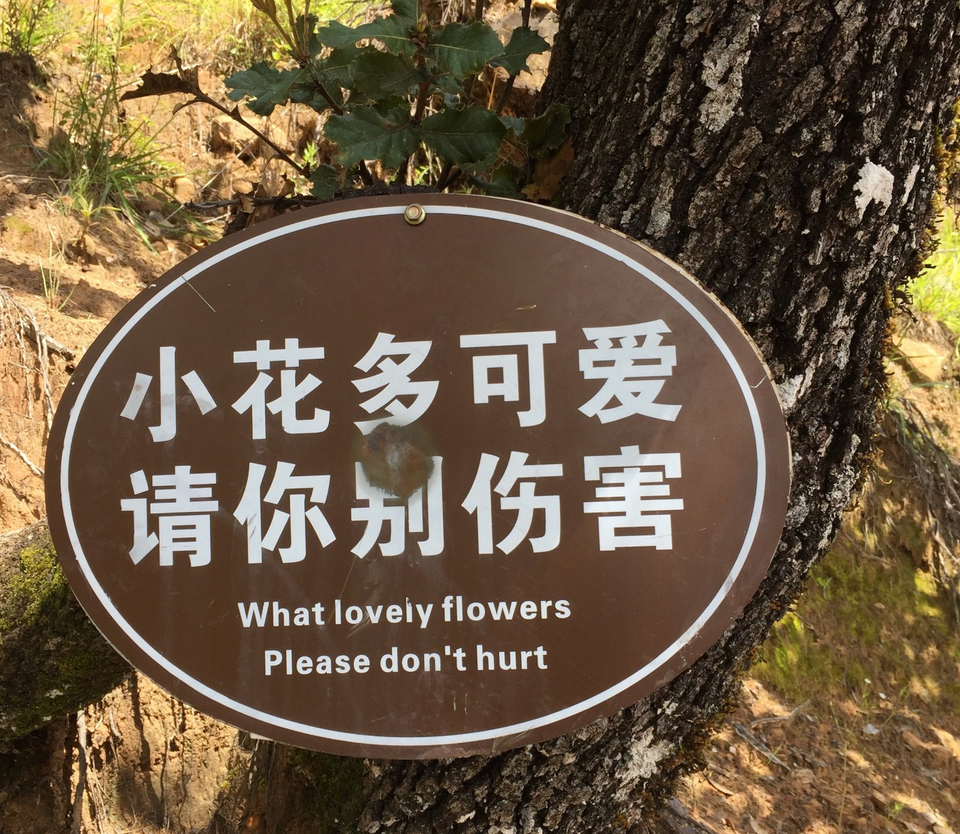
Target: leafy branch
[394, 90]
[187, 81]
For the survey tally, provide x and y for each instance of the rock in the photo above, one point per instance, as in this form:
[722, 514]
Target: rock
[148, 203]
[185, 190]
[941, 754]
[228, 137]
[912, 741]
[925, 360]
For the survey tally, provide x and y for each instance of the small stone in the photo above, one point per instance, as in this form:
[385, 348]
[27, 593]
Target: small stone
[941, 754]
[926, 361]
[185, 190]
[912, 741]
[228, 137]
[149, 203]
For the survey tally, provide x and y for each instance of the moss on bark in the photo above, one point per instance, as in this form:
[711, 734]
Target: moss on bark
[52, 658]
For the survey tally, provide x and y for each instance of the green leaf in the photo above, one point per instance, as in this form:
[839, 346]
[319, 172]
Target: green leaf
[335, 68]
[266, 85]
[514, 124]
[393, 32]
[407, 10]
[546, 132]
[366, 133]
[469, 137]
[325, 180]
[503, 183]
[524, 42]
[379, 75]
[448, 85]
[462, 49]
[314, 46]
[336, 34]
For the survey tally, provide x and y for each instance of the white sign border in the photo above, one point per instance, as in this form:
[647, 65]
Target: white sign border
[415, 741]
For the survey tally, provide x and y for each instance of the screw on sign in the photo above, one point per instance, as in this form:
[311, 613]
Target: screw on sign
[434, 480]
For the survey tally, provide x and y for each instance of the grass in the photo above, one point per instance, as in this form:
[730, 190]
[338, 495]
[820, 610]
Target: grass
[936, 291]
[29, 27]
[225, 36]
[898, 643]
[99, 157]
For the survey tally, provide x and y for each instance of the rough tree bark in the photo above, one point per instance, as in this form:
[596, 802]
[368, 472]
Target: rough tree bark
[786, 153]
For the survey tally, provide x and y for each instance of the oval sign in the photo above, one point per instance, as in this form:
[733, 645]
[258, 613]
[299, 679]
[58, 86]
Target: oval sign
[405, 490]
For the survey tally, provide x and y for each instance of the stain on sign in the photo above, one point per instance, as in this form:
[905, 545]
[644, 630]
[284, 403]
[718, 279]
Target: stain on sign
[405, 489]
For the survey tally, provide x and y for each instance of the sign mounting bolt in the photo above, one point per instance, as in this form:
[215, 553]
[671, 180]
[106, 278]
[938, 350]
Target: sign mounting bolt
[414, 214]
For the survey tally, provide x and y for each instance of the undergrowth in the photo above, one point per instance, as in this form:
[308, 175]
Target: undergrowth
[29, 27]
[99, 156]
[898, 642]
[936, 291]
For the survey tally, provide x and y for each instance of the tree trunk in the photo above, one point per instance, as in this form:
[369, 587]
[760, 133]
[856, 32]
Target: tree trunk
[786, 153]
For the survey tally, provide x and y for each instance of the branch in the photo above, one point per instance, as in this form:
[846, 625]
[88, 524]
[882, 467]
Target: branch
[234, 114]
[423, 96]
[22, 455]
[186, 81]
[505, 94]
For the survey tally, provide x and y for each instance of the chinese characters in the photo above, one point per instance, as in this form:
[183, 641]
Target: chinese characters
[513, 497]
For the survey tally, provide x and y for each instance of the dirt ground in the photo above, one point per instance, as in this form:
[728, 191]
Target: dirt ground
[850, 723]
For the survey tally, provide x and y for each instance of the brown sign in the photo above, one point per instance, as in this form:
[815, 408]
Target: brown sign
[396, 489]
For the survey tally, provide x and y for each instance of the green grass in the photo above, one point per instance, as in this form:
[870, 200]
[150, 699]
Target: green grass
[936, 291]
[99, 156]
[29, 27]
[225, 36]
[866, 626]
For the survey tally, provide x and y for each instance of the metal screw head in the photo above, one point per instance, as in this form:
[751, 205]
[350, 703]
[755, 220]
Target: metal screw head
[414, 214]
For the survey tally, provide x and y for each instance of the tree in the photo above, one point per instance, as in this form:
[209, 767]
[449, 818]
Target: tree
[787, 154]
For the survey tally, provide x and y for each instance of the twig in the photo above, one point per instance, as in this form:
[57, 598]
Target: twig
[758, 745]
[774, 718]
[81, 773]
[22, 455]
[718, 788]
[28, 327]
[234, 114]
[423, 96]
[478, 10]
[507, 89]
[42, 361]
[676, 818]
[156, 84]
[444, 176]
[365, 174]
[455, 174]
